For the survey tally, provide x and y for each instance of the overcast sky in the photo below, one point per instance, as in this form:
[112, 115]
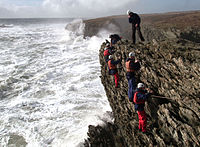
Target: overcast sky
[90, 8]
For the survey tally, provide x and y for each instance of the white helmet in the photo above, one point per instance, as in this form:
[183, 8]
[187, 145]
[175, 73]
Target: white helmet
[131, 54]
[110, 57]
[140, 85]
[128, 12]
[107, 44]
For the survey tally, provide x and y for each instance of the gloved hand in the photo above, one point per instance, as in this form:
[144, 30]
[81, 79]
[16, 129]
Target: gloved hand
[148, 95]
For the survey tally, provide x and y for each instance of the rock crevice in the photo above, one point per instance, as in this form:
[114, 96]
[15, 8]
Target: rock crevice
[170, 66]
[172, 71]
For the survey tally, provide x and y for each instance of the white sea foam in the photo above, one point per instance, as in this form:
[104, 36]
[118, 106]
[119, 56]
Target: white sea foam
[49, 85]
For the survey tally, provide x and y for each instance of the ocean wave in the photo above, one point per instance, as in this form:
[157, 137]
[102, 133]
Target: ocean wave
[6, 25]
[49, 84]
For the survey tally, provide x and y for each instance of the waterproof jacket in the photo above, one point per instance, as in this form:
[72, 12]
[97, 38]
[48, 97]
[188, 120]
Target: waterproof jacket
[131, 67]
[112, 66]
[107, 52]
[140, 96]
[134, 18]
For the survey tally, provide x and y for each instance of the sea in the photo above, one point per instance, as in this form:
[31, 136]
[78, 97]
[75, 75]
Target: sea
[50, 86]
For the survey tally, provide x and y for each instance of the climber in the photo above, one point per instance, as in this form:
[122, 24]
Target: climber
[132, 66]
[140, 96]
[108, 50]
[114, 38]
[135, 20]
[113, 69]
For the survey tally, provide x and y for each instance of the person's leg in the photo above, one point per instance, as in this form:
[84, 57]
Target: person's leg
[116, 79]
[143, 120]
[140, 121]
[140, 33]
[131, 87]
[134, 84]
[133, 33]
[130, 96]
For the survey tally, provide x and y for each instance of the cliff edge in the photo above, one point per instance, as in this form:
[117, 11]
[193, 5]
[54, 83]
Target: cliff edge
[159, 26]
[171, 68]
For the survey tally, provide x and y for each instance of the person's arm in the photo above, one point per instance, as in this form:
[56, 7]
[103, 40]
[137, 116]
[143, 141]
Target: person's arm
[111, 40]
[137, 20]
[137, 65]
[115, 62]
[111, 51]
[130, 19]
[142, 97]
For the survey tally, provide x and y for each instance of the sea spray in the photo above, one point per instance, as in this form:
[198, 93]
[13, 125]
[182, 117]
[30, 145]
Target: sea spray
[49, 84]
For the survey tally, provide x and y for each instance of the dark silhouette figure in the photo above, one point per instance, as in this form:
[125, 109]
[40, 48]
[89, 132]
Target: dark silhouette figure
[114, 39]
[135, 20]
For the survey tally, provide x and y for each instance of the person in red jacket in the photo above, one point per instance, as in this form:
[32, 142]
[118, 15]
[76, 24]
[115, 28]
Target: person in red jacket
[113, 69]
[108, 50]
[140, 96]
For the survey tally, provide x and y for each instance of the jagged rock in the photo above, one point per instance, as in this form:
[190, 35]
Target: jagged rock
[104, 136]
[171, 68]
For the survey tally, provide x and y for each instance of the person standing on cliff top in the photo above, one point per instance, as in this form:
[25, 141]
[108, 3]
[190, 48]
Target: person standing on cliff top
[140, 96]
[135, 20]
[132, 66]
[113, 69]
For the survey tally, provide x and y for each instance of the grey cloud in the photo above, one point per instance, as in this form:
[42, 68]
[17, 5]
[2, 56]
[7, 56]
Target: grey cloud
[67, 8]
[93, 8]
[83, 8]
[4, 13]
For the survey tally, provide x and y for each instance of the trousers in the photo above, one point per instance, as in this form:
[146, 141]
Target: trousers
[116, 76]
[142, 121]
[131, 87]
[138, 31]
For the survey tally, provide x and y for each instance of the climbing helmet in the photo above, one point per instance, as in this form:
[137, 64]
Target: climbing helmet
[140, 85]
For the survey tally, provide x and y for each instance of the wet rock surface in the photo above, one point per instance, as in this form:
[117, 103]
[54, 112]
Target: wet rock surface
[171, 68]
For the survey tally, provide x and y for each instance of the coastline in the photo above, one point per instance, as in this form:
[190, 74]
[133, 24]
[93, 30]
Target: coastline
[165, 68]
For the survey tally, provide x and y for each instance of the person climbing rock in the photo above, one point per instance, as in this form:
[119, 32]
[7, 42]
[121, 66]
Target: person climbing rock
[108, 50]
[113, 69]
[140, 96]
[114, 38]
[135, 20]
[132, 66]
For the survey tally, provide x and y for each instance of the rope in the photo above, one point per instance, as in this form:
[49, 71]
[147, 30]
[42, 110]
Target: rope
[156, 96]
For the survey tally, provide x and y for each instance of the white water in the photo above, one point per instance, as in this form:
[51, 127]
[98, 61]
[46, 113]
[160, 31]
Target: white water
[50, 90]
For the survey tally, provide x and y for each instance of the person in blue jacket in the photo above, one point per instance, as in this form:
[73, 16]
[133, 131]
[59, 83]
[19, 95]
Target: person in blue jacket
[140, 96]
[113, 69]
[132, 66]
[135, 20]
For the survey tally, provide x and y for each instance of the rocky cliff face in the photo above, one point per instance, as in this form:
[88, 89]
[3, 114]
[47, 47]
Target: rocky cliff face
[171, 68]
